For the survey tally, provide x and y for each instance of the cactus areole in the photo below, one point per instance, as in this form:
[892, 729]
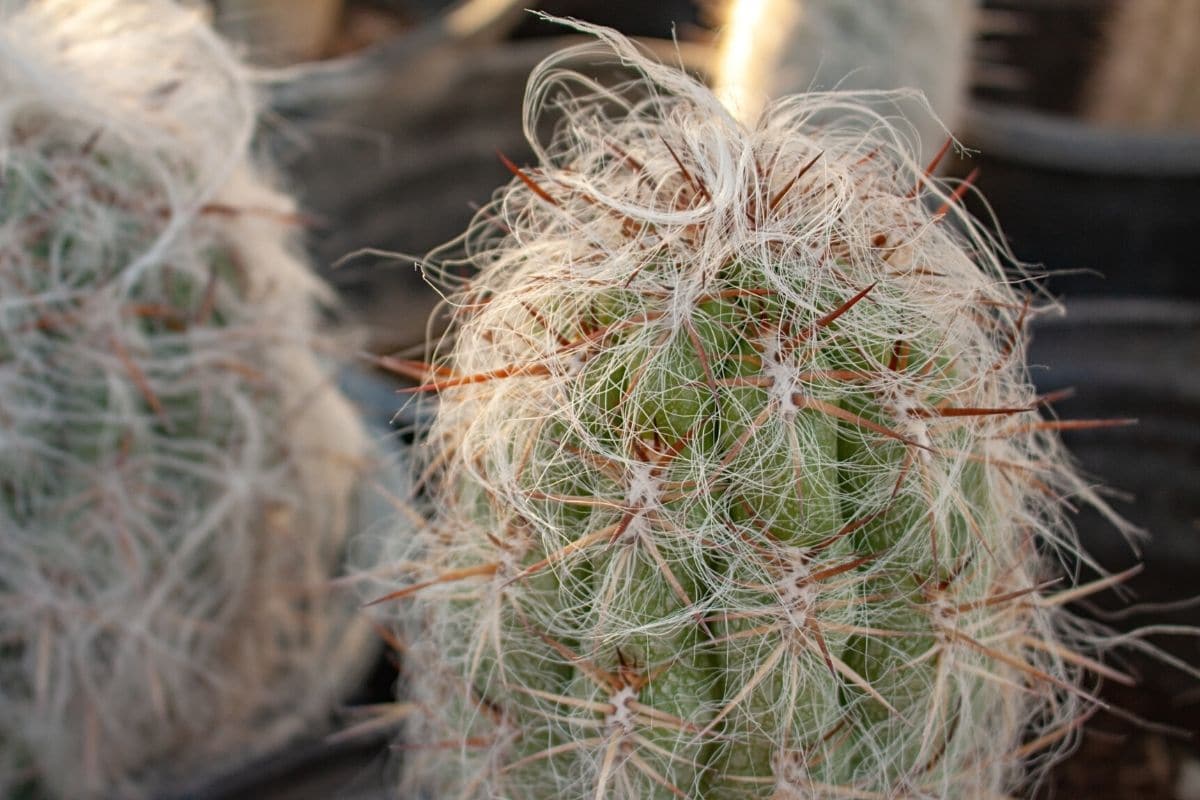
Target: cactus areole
[738, 487]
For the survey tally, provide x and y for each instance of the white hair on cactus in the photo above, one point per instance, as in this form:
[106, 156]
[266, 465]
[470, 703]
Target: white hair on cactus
[176, 468]
[737, 482]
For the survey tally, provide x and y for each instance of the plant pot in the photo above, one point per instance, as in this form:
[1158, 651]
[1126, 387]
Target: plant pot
[1111, 212]
[1137, 359]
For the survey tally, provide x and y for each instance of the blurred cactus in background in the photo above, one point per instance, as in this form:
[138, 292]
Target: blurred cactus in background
[772, 48]
[177, 470]
[279, 31]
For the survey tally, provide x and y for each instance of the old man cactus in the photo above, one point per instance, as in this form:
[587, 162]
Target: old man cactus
[737, 483]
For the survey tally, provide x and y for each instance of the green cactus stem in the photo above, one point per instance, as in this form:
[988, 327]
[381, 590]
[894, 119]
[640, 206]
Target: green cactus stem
[737, 485]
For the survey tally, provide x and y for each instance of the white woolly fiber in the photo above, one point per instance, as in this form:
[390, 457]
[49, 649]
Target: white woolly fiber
[176, 469]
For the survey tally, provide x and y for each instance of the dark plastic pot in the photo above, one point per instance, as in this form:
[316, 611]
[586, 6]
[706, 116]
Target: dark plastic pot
[1111, 212]
[1137, 359]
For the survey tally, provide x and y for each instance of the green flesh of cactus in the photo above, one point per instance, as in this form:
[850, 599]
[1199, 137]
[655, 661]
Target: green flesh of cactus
[790, 480]
[735, 491]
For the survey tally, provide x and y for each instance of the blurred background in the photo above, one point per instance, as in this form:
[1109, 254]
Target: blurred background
[1082, 117]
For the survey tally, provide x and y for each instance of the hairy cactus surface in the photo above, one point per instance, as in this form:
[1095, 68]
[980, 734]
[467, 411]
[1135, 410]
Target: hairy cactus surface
[176, 468]
[737, 484]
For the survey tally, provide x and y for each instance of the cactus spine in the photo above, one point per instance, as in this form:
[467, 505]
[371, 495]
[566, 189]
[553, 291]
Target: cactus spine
[176, 471]
[737, 483]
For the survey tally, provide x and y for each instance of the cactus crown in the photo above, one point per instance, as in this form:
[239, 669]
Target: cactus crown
[737, 481]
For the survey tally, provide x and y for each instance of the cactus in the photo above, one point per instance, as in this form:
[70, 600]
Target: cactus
[1145, 72]
[737, 486]
[176, 470]
[776, 47]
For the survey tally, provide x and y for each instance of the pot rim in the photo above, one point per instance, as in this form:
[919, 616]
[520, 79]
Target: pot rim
[1139, 312]
[1065, 144]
